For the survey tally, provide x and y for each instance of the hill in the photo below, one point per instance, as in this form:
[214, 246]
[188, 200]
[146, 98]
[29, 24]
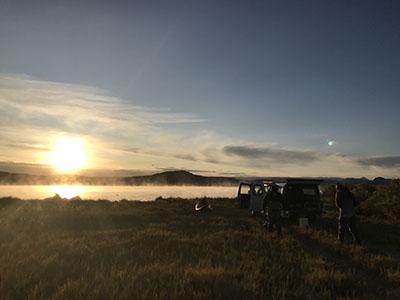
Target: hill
[164, 178]
[180, 178]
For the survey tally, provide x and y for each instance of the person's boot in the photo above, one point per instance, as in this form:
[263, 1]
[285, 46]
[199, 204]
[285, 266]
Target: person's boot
[340, 239]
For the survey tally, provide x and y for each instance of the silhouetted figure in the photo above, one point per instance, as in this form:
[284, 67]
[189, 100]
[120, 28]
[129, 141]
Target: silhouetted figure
[202, 205]
[273, 207]
[346, 203]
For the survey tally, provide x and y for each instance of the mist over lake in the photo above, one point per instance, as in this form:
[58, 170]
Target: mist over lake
[114, 193]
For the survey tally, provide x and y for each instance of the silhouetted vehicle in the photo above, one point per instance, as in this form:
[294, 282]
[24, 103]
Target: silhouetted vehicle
[302, 198]
[251, 195]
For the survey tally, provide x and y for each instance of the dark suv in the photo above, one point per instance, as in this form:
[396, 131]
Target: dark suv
[302, 198]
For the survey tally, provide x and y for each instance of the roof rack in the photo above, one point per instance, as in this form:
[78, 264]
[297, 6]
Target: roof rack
[283, 181]
[304, 180]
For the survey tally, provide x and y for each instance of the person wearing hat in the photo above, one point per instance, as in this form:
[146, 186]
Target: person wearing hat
[273, 207]
[346, 203]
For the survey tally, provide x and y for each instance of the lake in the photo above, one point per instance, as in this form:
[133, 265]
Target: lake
[143, 193]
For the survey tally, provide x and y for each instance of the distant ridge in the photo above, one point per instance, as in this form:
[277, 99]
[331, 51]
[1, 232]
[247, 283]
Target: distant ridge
[164, 178]
[180, 177]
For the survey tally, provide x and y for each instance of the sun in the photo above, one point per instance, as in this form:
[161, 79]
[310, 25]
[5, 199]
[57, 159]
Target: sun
[68, 155]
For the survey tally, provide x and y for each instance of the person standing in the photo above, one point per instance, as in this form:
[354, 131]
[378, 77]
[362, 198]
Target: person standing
[273, 207]
[346, 203]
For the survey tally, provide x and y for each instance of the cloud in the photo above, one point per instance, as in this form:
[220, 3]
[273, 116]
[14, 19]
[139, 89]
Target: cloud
[26, 168]
[139, 150]
[69, 107]
[380, 161]
[123, 136]
[39, 169]
[186, 157]
[273, 155]
[33, 112]
[27, 147]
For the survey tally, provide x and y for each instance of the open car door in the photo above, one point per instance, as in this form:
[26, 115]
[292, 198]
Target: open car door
[257, 195]
[243, 197]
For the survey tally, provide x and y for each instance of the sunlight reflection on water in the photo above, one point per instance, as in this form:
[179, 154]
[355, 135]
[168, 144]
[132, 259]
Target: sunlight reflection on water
[67, 191]
[144, 193]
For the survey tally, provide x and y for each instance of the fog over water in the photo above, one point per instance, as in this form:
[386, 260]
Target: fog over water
[143, 193]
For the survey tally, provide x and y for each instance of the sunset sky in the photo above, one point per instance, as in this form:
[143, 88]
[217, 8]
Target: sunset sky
[263, 88]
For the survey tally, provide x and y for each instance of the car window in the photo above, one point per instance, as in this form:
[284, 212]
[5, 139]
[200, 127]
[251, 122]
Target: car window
[310, 192]
[244, 189]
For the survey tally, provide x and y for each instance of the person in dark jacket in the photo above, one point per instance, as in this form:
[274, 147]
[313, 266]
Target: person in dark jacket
[346, 203]
[273, 208]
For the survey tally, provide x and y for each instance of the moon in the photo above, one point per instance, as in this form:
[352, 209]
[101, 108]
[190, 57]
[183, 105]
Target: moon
[331, 143]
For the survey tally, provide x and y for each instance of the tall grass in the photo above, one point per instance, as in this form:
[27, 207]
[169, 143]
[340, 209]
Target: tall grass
[163, 250]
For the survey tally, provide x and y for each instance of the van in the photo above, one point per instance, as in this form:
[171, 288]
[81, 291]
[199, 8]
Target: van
[301, 197]
[251, 195]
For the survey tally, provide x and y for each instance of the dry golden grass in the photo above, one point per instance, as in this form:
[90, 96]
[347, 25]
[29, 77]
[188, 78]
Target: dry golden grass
[162, 250]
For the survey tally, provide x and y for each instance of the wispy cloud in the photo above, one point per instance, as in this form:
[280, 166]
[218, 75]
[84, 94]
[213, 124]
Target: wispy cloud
[32, 112]
[27, 147]
[152, 152]
[69, 107]
[380, 161]
[27, 168]
[125, 136]
[272, 155]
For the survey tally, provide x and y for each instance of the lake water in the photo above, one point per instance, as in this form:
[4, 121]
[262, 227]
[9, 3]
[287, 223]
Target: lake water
[143, 193]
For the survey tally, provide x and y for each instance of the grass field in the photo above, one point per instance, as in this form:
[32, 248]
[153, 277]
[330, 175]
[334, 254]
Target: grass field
[161, 249]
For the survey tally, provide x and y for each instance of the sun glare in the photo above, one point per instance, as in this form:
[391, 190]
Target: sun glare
[68, 155]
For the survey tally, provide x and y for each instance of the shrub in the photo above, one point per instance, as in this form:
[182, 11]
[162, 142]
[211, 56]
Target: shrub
[384, 203]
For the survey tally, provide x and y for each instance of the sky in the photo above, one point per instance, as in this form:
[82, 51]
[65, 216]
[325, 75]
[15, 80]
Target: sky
[252, 88]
